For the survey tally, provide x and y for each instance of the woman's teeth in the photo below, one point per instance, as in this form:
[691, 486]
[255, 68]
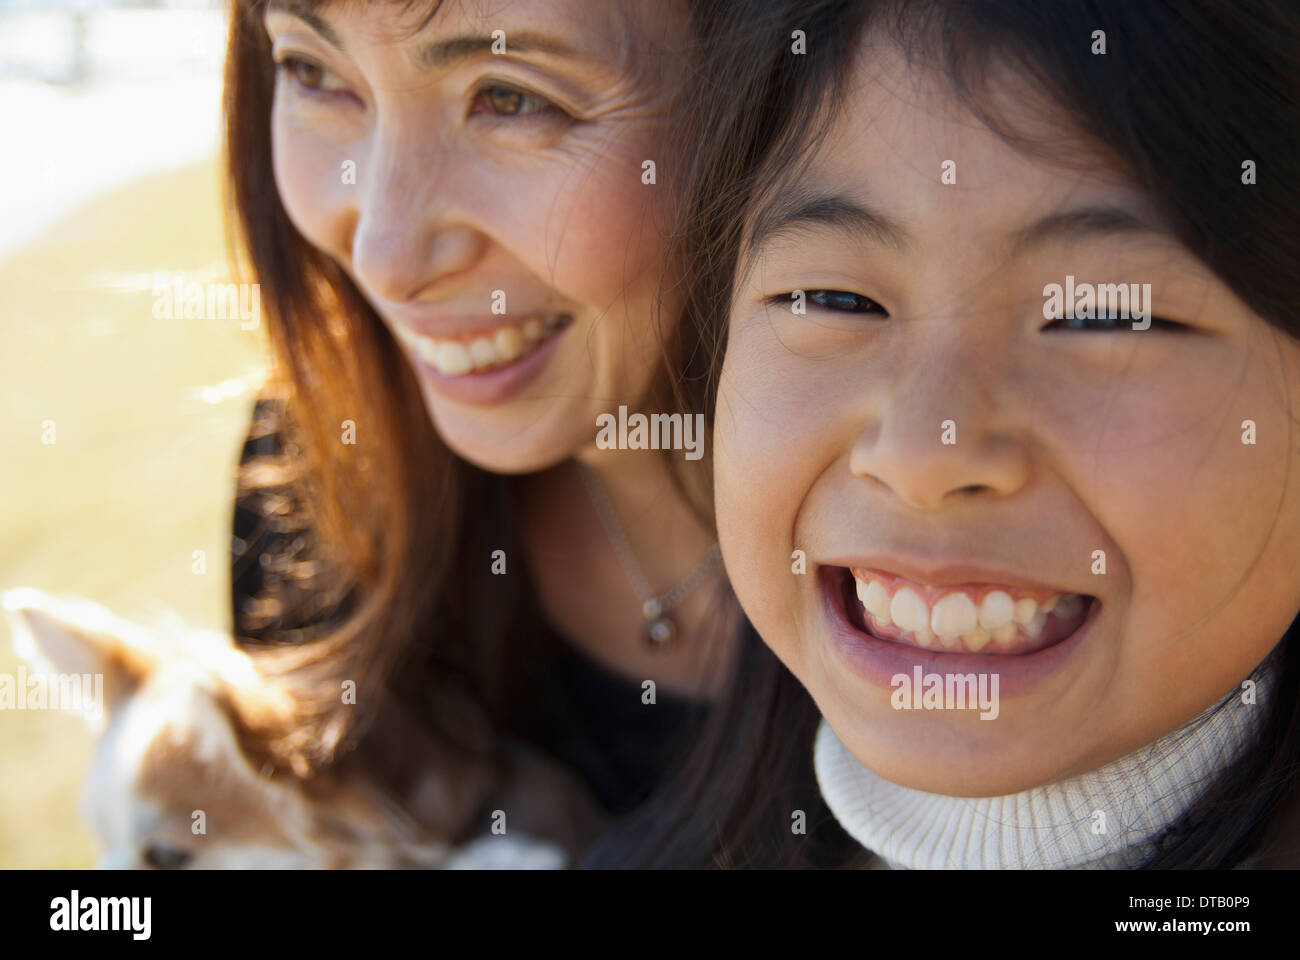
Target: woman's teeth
[969, 618]
[506, 344]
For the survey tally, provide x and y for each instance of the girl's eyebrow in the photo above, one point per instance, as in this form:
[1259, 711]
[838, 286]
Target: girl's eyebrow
[442, 52]
[1083, 223]
[839, 211]
[803, 207]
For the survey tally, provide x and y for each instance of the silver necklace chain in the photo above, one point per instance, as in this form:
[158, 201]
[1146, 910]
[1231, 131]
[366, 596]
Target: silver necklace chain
[652, 606]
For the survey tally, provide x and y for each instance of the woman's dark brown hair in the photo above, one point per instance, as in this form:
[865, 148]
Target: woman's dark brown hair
[381, 564]
[1187, 91]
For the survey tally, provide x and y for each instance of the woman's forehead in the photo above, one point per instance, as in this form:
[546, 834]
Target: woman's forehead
[597, 29]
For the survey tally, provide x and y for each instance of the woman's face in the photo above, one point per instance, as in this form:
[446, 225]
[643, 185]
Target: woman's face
[490, 205]
[938, 446]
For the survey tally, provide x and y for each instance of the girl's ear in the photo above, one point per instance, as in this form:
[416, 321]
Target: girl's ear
[88, 658]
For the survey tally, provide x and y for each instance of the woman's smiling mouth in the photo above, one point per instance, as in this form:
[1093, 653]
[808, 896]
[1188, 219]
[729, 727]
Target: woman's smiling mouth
[456, 356]
[487, 365]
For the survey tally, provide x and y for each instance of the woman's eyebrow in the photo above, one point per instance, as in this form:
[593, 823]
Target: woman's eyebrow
[801, 207]
[440, 53]
[308, 16]
[443, 52]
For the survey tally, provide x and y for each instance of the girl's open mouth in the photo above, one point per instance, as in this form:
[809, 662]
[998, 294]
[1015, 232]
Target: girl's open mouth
[968, 618]
[882, 625]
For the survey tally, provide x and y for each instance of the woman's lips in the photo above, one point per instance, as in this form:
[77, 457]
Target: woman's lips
[478, 349]
[871, 652]
[499, 379]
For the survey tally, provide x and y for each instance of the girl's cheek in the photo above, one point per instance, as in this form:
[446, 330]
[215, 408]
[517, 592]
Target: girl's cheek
[766, 461]
[1142, 441]
[1201, 517]
[750, 520]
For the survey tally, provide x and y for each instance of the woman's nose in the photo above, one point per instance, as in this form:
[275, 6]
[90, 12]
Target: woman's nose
[412, 229]
[939, 434]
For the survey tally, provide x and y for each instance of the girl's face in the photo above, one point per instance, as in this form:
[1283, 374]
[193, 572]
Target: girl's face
[927, 429]
[490, 205]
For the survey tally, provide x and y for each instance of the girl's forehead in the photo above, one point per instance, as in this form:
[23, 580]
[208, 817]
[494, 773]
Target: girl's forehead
[903, 144]
[903, 108]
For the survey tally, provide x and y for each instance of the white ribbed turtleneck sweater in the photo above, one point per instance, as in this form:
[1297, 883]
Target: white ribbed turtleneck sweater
[1044, 827]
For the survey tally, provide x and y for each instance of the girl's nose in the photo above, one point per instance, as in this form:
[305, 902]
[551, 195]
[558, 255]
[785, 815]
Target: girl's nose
[938, 435]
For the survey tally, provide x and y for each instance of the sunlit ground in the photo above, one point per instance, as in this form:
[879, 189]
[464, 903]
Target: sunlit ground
[148, 416]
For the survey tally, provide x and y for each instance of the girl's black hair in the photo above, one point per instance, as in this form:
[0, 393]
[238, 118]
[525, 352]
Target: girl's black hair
[1186, 92]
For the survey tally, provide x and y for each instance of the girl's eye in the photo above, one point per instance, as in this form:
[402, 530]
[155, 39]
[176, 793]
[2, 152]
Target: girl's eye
[1108, 323]
[840, 301]
[308, 75]
[502, 101]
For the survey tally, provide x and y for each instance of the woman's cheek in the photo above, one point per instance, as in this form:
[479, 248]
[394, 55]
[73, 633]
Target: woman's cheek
[591, 233]
[601, 241]
[308, 175]
[587, 201]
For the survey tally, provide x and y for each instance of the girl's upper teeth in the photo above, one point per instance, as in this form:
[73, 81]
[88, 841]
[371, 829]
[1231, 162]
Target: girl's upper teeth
[455, 357]
[971, 616]
[996, 609]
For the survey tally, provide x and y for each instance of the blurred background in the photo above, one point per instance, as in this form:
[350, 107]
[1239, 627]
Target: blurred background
[109, 180]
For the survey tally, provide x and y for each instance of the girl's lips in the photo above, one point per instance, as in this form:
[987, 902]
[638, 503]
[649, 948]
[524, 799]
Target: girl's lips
[879, 660]
[486, 387]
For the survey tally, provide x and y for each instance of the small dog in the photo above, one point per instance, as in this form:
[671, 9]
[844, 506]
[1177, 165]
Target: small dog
[170, 786]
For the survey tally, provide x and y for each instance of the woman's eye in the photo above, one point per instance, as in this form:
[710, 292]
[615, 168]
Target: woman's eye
[503, 101]
[841, 301]
[308, 75]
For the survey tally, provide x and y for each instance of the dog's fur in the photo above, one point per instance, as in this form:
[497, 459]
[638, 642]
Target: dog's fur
[178, 704]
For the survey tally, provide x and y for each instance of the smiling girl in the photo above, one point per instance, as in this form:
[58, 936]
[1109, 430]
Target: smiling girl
[936, 483]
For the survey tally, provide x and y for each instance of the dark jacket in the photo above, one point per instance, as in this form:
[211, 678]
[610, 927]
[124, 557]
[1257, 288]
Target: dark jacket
[589, 719]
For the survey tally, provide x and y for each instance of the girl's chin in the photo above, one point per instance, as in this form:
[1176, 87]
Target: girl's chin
[939, 761]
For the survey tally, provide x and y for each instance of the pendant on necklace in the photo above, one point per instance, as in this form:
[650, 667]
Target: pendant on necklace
[660, 629]
[660, 633]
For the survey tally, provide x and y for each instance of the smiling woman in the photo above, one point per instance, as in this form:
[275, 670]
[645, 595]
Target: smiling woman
[462, 271]
[463, 233]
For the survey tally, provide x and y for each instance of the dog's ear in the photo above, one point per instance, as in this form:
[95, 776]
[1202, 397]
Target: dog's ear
[73, 636]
